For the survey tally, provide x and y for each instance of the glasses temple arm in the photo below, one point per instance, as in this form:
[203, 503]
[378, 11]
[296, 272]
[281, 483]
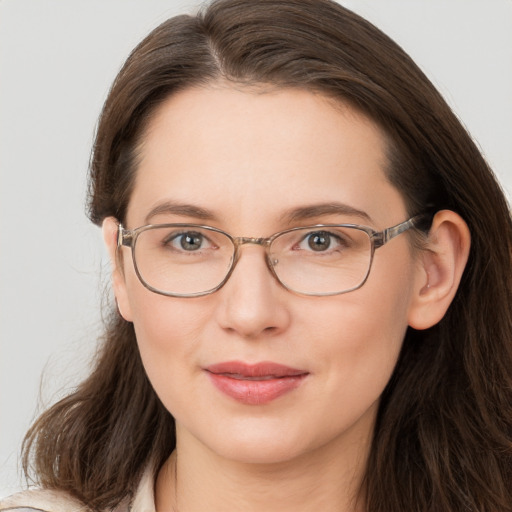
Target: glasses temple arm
[389, 233]
[124, 237]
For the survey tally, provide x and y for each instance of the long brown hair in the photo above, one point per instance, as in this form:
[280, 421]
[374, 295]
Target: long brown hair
[443, 438]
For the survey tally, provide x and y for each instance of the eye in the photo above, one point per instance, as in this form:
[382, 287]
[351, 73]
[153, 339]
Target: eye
[320, 241]
[323, 242]
[190, 241]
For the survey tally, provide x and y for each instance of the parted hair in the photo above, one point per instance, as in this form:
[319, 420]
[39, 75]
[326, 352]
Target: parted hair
[443, 436]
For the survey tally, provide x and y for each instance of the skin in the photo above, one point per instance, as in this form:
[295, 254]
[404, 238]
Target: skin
[249, 157]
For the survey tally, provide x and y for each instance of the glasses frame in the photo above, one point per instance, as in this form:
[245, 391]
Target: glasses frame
[128, 238]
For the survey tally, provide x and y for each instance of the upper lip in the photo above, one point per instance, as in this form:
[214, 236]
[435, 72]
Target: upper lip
[262, 369]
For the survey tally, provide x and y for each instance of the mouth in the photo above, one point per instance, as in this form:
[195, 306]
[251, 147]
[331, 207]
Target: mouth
[255, 384]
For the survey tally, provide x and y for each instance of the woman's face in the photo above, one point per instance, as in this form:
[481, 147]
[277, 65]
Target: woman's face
[253, 163]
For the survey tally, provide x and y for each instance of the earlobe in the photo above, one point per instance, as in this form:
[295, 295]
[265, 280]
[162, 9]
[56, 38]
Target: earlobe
[440, 268]
[110, 230]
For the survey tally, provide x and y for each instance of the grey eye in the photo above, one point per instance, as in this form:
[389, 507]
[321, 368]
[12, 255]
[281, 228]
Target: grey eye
[188, 241]
[191, 241]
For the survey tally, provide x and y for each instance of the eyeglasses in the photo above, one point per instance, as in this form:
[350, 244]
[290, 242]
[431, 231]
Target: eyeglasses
[191, 260]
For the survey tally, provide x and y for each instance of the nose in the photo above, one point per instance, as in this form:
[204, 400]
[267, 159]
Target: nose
[252, 303]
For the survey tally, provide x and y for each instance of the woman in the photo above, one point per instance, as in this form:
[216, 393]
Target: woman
[359, 359]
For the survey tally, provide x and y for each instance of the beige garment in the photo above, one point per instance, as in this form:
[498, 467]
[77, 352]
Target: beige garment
[43, 500]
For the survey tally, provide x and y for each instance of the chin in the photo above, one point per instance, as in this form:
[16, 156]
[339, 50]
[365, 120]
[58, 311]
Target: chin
[261, 453]
[267, 441]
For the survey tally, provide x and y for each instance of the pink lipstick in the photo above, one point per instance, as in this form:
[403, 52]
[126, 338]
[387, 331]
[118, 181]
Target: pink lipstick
[254, 384]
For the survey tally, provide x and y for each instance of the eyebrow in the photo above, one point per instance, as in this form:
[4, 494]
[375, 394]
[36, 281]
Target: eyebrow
[317, 210]
[300, 213]
[184, 210]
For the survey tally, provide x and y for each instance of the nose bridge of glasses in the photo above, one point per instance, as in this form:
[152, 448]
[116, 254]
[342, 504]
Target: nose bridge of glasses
[242, 240]
[246, 240]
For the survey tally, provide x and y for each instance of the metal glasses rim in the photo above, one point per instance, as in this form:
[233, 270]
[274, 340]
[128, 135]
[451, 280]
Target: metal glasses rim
[377, 239]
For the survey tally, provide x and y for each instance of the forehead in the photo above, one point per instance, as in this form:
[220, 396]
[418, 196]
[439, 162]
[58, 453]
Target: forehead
[251, 153]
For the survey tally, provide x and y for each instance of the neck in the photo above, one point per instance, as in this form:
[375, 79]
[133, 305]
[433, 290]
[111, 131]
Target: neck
[328, 479]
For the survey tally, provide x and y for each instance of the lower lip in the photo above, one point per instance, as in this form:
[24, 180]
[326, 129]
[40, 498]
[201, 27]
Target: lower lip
[256, 392]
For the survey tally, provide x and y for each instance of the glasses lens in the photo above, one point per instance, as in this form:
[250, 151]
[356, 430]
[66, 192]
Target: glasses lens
[325, 260]
[181, 259]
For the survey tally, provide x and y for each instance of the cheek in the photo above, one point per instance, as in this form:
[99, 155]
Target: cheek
[161, 323]
[168, 332]
[358, 336]
[359, 346]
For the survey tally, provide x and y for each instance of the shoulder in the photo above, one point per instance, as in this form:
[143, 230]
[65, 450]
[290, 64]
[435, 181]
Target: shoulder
[46, 500]
[42, 500]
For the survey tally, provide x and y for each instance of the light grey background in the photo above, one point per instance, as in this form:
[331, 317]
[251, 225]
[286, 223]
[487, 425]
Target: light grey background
[57, 60]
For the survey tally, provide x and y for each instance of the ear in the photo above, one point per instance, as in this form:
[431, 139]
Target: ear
[440, 267]
[110, 229]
